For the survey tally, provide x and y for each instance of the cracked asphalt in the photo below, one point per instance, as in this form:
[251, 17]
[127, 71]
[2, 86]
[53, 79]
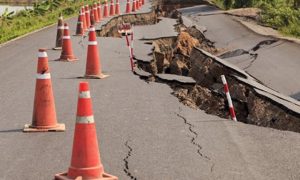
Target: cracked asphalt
[144, 132]
[276, 64]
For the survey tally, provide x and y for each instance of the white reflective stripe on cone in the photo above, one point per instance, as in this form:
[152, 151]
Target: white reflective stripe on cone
[43, 76]
[60, 27]
[85, 119]
[92, 43]
[66, 27]
[66, 37]
[84, 94]
[92, 29]
[42, 54]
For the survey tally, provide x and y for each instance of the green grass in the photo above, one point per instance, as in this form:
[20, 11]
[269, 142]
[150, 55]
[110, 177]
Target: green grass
[43, 15]
[278, 14]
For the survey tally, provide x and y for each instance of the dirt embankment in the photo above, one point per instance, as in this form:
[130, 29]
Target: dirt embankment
[184, 56]
[181, 56]
[110, 28]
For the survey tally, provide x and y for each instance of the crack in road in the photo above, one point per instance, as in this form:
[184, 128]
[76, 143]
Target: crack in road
[264, 43]
[239, 52]
[126, 163]
[253, 56]
[195, 136]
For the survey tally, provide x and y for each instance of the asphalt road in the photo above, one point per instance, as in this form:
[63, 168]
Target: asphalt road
[137, 123]
[276, 65]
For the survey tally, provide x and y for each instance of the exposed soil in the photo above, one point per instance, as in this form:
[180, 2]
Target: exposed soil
[182, 56]
[110, 29]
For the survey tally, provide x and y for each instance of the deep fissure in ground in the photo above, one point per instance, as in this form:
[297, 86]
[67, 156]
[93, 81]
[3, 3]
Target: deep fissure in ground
[181, 56]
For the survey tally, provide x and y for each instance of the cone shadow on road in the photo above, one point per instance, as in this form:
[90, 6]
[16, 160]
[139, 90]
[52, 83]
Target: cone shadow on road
[11, 131]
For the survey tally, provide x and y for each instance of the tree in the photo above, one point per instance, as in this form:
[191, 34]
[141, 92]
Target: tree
[296, 3]
[227, 4]
[243, 3]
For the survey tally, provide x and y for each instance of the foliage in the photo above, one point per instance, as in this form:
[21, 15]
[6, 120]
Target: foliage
[43, 14]
[283, 15]
[228, 4]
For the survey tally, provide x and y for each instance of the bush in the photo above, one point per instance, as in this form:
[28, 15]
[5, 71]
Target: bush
[278, 14]
[43, 14]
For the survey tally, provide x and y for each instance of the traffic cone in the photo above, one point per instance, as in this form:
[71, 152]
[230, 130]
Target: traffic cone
[105, 11]
[133, 6]
[59, 34]
[85, 161]
[95, 11]
[85, 28]
[117, 11]
[92, 17]
[143, 2]
[128, 10]
[87, 16]
[79, 28]
[112, 8]
[99, 11]
[67, 51]
[137, 2]
[44, 114]
[93, 64]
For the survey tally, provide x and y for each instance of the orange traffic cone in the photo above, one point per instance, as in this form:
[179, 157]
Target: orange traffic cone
[44, 114]
[93, 64]
[92, 17]
[137, 2]
[59, 34]
[105, 11]
[85, 161]
[99, 11]
[79, 28]
[67, 51]
[133, 6]
[85, 28]
[95, 11]
[112, 8]
[128, 10]
[87, 16]
[143, 2]
[117, 11]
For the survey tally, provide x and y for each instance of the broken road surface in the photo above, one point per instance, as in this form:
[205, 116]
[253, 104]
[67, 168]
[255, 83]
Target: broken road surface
[272, 61]
[144, 132]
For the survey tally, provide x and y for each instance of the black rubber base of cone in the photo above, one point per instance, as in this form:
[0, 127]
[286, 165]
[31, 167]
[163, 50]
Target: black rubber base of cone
[58, 128]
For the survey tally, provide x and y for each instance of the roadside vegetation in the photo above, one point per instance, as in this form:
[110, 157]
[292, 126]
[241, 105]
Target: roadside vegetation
[283, 15]
[44, 13]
